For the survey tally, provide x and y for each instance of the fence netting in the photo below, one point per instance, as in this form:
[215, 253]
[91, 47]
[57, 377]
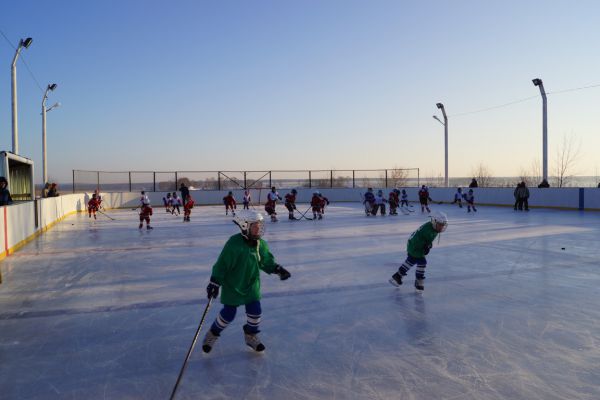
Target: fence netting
[167, 181]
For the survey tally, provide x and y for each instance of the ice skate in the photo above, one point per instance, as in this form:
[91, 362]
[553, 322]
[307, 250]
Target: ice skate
[148, 227]
[209, 341]
[141, 226]
[396, 279]
[419, 285]
[254, 342]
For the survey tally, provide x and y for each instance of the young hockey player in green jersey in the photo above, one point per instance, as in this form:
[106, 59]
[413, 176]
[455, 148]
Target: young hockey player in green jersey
[237, 271]
[419, 244]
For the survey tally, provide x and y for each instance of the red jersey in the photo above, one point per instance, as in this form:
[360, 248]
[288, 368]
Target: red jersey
[229, 201]
[316, 201]
[93, 204]
[393, 197]
[290, 198]
[188, 205]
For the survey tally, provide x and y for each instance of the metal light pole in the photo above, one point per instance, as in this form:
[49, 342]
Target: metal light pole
[44, 110]
[538, 82]
[15, 124]
[445, 123]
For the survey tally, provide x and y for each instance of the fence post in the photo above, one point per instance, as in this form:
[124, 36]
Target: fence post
[98, 180]
[309, 180]
[353, 185]
[73, 181]
[245, 185]
[331, 178]
[386, 181]
[130, 181]
[418, 177]
[154, 181]
[176, 180]
[270, 181]
[219, 180]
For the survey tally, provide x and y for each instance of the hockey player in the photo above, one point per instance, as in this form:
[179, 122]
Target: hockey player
[394, 201]
[145, 211]
[272, 198]
[167, 202]
[237, 271]
[379, 203]
[247, 199]
[93, 206]
[187, 208]
[424, 198]
[316, 204]
[176, 202]
[419, 244]
[470, 199]
[458, 197]
[404, 199]
[98, 198]
[324, 202]
[230, 203]
[290, 203]
[369, 201]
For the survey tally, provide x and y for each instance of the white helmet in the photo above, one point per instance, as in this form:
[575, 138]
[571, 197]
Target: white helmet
[245, 219]
[316, 193]
[439, 217]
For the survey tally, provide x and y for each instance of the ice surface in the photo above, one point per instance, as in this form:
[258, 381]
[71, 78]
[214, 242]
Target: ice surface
[100, 310]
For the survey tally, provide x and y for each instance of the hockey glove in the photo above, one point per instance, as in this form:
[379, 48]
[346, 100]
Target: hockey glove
[282, 272]
[212, 290]
[427, 248]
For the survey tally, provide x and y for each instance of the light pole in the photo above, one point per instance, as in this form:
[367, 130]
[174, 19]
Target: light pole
[50, 87]
[445, 123]
[538, 82]
[13, 72]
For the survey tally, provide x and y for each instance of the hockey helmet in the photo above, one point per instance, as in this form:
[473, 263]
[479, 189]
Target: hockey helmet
[294, 191]
[369, 189]
[316, 193]
[470, 191]
[396, 190]
[246, 219]
[230, 193]
[439, 221]
[459, 189]
[380, 192]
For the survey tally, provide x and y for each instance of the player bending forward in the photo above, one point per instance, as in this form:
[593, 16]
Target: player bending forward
[419, 244]
[237, 271]
[470, 199]
[93, 206]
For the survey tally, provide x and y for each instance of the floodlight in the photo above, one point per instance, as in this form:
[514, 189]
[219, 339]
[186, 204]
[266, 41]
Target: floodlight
[26, 43]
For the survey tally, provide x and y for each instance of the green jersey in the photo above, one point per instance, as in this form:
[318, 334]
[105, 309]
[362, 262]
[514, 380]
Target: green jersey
[421, 238]
[238, 270]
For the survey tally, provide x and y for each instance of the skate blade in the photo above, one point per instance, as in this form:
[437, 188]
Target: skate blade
[393, 282]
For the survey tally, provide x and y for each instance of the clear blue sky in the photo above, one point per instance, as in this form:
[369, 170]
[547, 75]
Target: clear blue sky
[226, 85]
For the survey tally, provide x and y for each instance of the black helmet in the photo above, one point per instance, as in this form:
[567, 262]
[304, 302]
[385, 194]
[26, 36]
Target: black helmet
[294, 191]
[3, 180]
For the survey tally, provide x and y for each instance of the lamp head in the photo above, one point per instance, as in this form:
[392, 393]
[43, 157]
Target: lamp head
[537, 81]
[26, 42]
[52, 86]
[440, 105]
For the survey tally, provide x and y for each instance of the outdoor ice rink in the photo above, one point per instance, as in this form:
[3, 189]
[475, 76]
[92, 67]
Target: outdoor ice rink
[101, 310]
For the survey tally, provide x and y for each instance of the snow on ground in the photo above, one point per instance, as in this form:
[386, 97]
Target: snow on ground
[100, 310]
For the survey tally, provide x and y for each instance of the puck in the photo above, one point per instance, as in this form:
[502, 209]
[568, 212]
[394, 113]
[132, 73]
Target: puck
[562, 248]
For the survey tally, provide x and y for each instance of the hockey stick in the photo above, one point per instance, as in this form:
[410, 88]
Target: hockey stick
[189, 353]
[106, 215]
[303, 215]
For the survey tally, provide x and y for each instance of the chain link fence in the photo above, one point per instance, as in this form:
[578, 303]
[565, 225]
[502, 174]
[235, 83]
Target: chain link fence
[162, 181]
